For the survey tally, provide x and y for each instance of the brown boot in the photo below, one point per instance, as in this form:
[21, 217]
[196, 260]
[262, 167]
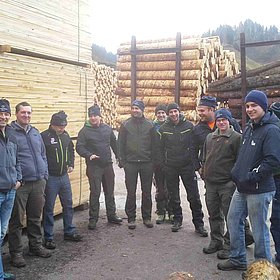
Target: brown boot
[17, 260]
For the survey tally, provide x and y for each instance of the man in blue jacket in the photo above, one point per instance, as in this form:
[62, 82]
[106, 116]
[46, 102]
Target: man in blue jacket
[60, 155]
[30, 197]
[10, 174]
[94, 143]
[252, 173]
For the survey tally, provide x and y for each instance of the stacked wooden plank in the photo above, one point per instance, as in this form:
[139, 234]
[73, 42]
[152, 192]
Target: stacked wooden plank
[203, 60]
[265, 78]
[59, 29]
[105, 84]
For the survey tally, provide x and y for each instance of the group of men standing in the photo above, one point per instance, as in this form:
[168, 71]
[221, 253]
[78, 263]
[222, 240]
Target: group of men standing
[237, 170]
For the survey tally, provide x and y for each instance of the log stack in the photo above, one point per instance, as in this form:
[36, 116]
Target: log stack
[203, 60]
[228, 91]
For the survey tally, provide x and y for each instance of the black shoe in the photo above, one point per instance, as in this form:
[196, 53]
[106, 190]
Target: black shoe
[39, 251]
[49, 244]
[223, 255]
[75, 237]
[176, 226]
[17, 260]
[9, 276]
[114, 219]
[131, 225]
[213, 248]
[201, 231]
[228, 265]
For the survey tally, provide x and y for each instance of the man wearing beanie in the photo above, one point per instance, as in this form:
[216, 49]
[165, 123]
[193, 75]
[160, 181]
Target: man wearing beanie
[275, 213]
[30, 197]
[137, 153]
[176, 155]
[162, 196]
[60, 155]
[94, 143]
[10, 174]
[219, 155]
[252, 173]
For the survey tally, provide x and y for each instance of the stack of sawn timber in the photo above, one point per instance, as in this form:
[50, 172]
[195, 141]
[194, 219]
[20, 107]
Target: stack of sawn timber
[60, 29]
[203, 60]
[265, 78]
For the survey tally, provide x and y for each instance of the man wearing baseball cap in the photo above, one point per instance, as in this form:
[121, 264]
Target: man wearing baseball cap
[258, 158]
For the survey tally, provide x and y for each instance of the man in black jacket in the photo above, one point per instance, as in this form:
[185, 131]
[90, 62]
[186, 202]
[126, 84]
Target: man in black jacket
[176, 156]
[94, 143]
[60, 156]
[136, 139]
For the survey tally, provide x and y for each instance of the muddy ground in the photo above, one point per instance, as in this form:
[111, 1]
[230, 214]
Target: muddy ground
[113, 252]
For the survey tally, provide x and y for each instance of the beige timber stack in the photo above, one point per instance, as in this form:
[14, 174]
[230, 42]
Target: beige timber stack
[59, 29]
[203, 60]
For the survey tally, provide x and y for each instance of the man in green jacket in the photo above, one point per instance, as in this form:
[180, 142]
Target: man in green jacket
[136, 150]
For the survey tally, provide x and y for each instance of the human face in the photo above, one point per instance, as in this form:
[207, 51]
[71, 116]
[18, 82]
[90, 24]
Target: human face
[4, 119]
[136, 112]
[161, 116]
[205, 113]
[222, 124]
[94, 120]
[59, 129]
[24, 115]
[173, 114]
[254, 111]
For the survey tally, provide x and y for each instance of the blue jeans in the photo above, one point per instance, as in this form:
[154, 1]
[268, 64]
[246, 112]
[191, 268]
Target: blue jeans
[58, 185]
[275, 218]
[6, 207]
[256, 207]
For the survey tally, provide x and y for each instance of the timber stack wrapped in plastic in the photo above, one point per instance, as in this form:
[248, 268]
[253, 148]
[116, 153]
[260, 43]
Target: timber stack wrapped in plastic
[203, 60]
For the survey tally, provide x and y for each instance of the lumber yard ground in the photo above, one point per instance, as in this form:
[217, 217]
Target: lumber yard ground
[113, 252]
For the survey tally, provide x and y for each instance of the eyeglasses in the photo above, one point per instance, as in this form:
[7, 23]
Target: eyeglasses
[221, 120]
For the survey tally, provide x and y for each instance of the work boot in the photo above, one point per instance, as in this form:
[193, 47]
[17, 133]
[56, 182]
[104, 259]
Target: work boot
[176, 226]
[160, 219]
[92, 224]
[9, 276]
[228, 265]
[74, 237]
[148, 223]
[114, 219]
[213, 247]
[131, 225]
[39, 251]
[49, 244]
[17, 260]
[223, 254]
[201, 231]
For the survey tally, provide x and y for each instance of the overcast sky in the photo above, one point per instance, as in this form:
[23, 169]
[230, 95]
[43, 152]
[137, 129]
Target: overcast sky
[114, 22]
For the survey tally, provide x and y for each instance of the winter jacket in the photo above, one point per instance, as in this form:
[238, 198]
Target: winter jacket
[31, 153]
[59, 150]
[219, 155]
[175, 144]
[157, 124]
[259, 155]
[136, 141]
[93, 140]
[10, 171]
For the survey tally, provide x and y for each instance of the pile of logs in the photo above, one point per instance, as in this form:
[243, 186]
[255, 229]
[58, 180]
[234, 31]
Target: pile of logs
[203, 60]
[265, 78]
[105, 84]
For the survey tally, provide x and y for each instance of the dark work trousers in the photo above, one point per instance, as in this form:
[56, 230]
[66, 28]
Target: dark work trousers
[275, 218]
[30, 200]
[145, 170]
[162, 196]
[218, 197]
[97, 175]
[189, 179]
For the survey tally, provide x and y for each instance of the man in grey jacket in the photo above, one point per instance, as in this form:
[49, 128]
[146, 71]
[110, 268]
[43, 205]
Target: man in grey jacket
[30, 197]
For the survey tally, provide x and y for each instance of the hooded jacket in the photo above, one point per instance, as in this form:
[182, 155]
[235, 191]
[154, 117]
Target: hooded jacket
[259, 155]
[10, 171]
[31, 153]
[59, 150]
[175, 146]
[96, 140]
[219, 155]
